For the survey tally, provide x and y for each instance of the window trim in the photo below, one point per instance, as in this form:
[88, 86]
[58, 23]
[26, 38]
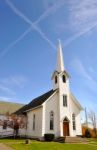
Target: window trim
[74, 121]
[51, 123]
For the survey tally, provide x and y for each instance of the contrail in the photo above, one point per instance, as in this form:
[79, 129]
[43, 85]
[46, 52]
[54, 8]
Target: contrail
[17, 12]
[15, 42]
[49, 11]
[79, 34]
[34, 25]
[44, 37]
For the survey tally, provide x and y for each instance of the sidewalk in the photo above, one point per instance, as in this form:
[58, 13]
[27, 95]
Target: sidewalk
[4, 147]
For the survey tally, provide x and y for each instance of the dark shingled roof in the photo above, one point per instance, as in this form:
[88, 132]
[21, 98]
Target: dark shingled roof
[21, 110]
[35, 102]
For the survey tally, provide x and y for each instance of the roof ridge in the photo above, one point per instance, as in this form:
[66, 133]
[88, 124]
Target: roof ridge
[40, 96]
[38, 101]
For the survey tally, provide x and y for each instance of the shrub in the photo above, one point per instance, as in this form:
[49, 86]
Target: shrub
[87, 133]
[49, 137]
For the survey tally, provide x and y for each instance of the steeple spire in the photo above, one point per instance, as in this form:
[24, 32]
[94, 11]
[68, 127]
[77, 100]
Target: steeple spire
[60, 62]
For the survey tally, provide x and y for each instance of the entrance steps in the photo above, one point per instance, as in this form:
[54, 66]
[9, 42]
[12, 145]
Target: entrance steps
[76, 139]
[69, 139]
[60, 139]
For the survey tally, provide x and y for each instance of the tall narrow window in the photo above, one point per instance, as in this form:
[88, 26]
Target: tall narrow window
[64, 78]
[65, 100]
[51, 120]
[27, 122]
[73, 121]
[55, 79]
[34, 122]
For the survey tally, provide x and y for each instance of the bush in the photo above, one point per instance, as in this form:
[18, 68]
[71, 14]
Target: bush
[87, 133]
[49, 137]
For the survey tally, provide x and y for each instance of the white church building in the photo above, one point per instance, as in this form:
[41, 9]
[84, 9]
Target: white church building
[57, 111]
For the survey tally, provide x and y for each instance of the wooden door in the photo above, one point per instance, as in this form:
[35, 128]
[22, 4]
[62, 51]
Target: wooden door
[65, 128]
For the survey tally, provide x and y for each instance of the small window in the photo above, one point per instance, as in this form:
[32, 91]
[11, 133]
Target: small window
[51, 120]
[34, 122]
[55, 79]
[73, 121]
[65, 100]
[64, 79]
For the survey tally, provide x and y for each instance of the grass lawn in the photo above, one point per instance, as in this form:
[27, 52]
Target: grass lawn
[93, 141]
[34, 145]
[8, 141]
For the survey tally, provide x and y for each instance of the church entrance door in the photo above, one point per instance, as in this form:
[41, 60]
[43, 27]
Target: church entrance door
[65, 128]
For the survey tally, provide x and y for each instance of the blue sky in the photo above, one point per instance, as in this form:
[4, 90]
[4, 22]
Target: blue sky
[29, 33]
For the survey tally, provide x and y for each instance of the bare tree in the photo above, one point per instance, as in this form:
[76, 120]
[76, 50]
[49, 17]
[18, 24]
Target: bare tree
[86, 117]
[92, 117]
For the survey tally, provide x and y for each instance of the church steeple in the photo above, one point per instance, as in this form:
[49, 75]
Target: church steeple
[60, 62]
[60, 76]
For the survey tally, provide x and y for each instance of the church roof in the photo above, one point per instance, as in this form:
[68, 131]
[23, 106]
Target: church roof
[35, 102]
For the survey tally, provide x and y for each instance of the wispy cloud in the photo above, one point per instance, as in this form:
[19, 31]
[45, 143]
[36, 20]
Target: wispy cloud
[83, 18]
[19, 81]
[14, 81]
[6, 90]
[51, 10]
[91, 70]
[7, 85]
[82, 13]
[79, 68]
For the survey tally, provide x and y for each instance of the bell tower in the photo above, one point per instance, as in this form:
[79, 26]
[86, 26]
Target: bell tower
[60, 76]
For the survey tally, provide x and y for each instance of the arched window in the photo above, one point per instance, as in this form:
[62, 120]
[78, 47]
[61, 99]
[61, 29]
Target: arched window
[65, 100]
[74, 121]
[64, 78]
[34, 122]
[51, 120]
[55, 79]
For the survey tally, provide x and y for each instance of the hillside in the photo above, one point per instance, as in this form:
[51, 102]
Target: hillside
[9, 107]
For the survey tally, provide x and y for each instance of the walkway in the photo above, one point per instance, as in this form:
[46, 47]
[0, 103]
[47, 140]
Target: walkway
[4, 147]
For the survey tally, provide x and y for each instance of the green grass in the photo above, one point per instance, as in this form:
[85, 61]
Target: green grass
[34, 145]
[7, 141]
[52, 146]
[93, 141]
